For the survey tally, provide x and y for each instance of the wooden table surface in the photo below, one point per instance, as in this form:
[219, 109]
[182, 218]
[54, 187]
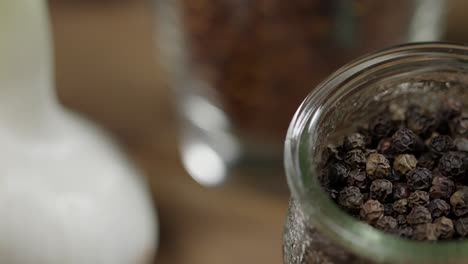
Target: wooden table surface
[107, 69]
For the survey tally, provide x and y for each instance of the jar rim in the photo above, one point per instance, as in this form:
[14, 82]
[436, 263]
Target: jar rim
[362, 239]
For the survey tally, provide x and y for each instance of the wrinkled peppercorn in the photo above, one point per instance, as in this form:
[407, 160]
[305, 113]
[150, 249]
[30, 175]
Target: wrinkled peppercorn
[452, 164]
[444, 227]
[426, 231]
[439, 208]
[357, 178]
[459, 126]
[401, 206]
[351, 198]
[333, 152]
[400, 191]
[421, 124]
[459, 202]
[442, 187]
[404, 141]
[372, 211]
[441, 144]
[381, 126]
[380, 189]
[419, 178]
[401, 219]
[404, 163]
[419, 215]
[450, 108]
[387, 223]
[337, 172]
[355, 158]
[355, 141]
[418, 198]
[367, 135]
[461, 226]
[377, 166]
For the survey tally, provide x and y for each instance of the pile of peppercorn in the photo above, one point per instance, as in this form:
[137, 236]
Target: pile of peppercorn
[405, 174]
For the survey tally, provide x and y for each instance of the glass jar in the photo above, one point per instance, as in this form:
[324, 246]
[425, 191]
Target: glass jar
[240, 68]
[316, 230]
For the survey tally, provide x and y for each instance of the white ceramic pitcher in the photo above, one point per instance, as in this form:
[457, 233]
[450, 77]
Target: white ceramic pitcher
[67, 194]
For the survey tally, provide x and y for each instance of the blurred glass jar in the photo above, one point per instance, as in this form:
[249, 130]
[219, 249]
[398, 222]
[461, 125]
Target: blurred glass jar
[316, 230]
[241, 67]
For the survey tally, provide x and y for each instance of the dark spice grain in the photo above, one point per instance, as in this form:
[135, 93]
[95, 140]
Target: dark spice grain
[406, 175]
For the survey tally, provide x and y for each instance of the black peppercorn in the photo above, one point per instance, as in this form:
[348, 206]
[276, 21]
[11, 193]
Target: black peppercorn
[387, 223]
[400, 191]
[439, 208]
[401, 219]
[461, 226]
[354, 141]
[372, 211]
[380, 189]
[401, 206]
[367, 135]
[357, 178]
[421, 124]
[351, 198]
[459, 202]
[441, 144]
[444, 227]
[404, 141]
[442, 187]
[419, 215]
[452, 164]
[332, 153]
[459, 126]
[377, 166]
[381, 126]
[419, 178]
[450, 108]
[418, 198]
[337, 172]
[425, 231]
[404, 163]
[355, 158]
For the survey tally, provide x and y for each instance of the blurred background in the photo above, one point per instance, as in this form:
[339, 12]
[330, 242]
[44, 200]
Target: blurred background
[107, 67]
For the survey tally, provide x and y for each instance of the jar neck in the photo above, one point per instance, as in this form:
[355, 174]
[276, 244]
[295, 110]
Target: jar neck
[27, 101]
[311, 128]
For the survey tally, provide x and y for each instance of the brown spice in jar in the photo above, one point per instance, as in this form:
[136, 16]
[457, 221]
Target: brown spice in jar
[263, 56]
